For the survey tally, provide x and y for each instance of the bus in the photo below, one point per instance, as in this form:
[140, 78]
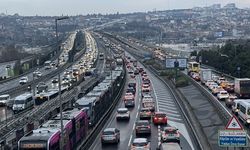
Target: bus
[193, 67]
[22, 102]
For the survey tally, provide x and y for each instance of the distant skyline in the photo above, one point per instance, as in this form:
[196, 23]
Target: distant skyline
[77, 7]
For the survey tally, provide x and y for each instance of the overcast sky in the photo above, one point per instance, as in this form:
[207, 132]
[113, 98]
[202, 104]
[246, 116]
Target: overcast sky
[75, 7]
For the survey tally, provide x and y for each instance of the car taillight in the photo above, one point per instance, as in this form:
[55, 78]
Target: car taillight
[149, 127]
[146, 146]
[155, 118]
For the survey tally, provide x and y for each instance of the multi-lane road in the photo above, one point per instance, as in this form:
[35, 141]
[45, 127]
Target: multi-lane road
[164, 103]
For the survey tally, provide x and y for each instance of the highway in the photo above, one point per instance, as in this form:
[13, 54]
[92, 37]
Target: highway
[165, 103]
[92, 49]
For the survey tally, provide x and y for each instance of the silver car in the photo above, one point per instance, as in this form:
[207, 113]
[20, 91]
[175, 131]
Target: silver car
[122, 113]
[140, 144]
[110, 135]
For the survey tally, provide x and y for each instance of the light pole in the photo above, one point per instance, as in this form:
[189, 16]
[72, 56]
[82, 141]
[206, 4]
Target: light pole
[59, 81]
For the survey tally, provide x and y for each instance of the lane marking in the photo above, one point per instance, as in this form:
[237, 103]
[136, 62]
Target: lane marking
[129, 142]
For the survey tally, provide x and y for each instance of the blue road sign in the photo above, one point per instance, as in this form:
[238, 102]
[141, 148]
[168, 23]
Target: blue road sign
[232, 138]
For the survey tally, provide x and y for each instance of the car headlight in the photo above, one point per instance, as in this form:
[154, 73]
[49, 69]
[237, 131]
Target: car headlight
[248, 120]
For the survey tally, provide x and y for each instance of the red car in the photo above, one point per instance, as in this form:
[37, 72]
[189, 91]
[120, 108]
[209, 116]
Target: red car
[160, 118]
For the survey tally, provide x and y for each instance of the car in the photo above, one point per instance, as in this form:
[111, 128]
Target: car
[136, 72]
[140, 143]
[170, 134]
[208, 82]
[212, 85]
[132, 83]
[130, 90]
[221, 79]
[145, 113]
[122, 113]
[146, 81]
[66, 81]
[23, 80]
[146, 88]
[37, 73]
[54, 80]
[142, 127]
[230, 87]
[141, 69]
[160, 118]
[129, 103]
[4, 99]
[222, 95]
[230, 100]
[41, 87]
[148, 103]
[216, 90]
[129, 96]
[110, 135]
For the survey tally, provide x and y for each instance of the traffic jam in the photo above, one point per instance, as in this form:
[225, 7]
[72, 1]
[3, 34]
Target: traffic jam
[139, 90]
[233, 93]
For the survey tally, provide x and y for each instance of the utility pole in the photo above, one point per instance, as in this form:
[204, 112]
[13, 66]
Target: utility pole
[59, 81]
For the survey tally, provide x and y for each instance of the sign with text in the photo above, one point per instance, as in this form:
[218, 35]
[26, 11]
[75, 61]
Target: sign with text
[170, 62]
[232, 138]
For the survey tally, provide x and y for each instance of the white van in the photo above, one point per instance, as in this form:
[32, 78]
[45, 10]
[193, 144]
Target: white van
[244, 111]
[235, 106]
[22, 102]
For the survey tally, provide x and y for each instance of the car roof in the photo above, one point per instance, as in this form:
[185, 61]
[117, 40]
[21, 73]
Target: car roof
[140, 140]
[142, 121]
[122, 109]
[109, 129]
[170, 128]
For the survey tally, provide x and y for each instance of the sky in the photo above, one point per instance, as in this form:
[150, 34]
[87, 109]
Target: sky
[77, 7]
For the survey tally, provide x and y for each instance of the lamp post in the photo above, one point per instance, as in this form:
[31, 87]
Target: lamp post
[59, 80]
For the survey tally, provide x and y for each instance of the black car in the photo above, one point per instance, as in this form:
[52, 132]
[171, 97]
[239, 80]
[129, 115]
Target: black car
[54, 80]
[129, 103]
[130, 90]
[142, 127]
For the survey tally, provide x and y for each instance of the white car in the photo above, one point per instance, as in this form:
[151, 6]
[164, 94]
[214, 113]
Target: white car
[23, 80]
[212, 85]
[222, 95]
[208, 82]
[140, 143]
[122, 113]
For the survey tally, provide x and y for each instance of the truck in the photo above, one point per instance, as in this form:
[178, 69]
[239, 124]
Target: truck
[205, 74]
[242, 87]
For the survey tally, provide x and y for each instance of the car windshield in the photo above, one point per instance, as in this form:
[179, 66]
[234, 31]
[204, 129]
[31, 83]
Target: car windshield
[108, 133]
[19, 102]
[141, 123]
[4, 97]
[122, 111]
[172, 131]
[160, 115]
[139, 143]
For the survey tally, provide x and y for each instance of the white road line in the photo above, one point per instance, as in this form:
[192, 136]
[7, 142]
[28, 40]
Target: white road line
[167, 107]
[129, 142]
[174, 119]
[171, 111]
[155, 97]
[170, 114]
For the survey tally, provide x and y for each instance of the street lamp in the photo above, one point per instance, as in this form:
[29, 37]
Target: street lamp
[59, 80]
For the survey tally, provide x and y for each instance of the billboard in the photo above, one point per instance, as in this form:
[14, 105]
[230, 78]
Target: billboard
[170, 62]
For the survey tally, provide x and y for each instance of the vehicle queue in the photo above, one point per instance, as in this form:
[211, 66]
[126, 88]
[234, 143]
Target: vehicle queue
[148, 116]
[235, 94]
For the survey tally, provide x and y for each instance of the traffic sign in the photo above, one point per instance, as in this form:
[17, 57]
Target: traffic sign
[234, 124]
[170, 62]
[232, 138]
